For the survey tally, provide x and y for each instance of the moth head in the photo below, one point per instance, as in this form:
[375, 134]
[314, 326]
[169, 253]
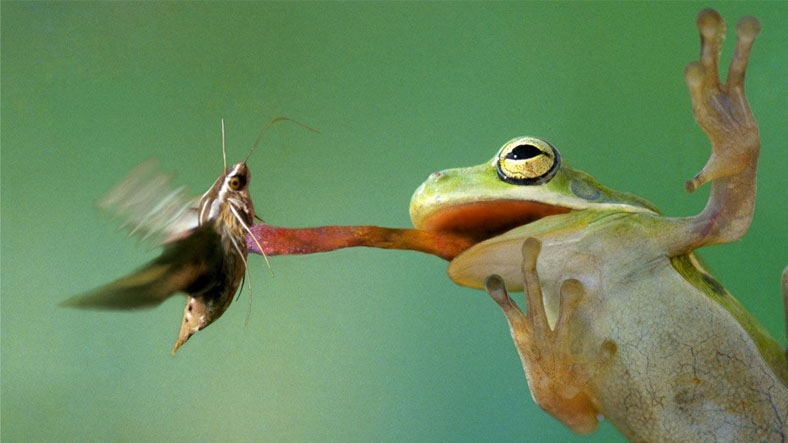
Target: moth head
[237, 178]
[232, 199]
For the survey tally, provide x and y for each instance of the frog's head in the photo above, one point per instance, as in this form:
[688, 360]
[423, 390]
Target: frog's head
[526, 181]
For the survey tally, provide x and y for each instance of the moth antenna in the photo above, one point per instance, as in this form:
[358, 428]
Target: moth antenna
[245, 226]
[271, 123]
[224, 149]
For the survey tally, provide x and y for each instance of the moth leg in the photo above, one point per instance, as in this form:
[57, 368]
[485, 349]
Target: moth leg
[556, 378]
[723, 113]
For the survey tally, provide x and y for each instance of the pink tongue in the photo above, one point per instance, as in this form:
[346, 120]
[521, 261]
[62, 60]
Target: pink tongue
[290, 241]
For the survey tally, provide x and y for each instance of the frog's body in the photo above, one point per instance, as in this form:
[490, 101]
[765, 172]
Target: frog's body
[684, 365]
[630, 326]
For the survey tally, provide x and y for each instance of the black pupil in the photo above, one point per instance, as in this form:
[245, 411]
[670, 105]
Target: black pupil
[524, 152]
[236, 182]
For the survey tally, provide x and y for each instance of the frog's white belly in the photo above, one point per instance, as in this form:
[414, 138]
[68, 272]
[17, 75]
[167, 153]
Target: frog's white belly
[684, 370]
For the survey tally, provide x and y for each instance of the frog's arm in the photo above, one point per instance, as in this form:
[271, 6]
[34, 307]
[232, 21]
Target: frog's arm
[724, 115]
[556, 377]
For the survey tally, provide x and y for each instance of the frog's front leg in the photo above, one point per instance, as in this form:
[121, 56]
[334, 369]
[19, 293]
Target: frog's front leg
[556, 378]
[724, 115]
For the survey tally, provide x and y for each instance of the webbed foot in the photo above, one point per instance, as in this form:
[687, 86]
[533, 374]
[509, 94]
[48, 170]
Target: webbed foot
[723, 113]
[557, 379]
[722, 110]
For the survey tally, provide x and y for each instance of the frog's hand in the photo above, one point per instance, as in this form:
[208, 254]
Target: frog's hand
[556, 378]
[724, 115]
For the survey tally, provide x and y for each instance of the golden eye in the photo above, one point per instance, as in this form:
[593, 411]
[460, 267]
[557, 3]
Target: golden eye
[236, 183]
[527, 161]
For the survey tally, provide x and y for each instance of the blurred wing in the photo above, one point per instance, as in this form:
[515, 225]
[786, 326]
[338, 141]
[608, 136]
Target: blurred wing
[186, 265]
[152, 209]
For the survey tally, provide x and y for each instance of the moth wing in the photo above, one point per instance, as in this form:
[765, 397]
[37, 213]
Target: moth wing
[184, 265]
[151, 207]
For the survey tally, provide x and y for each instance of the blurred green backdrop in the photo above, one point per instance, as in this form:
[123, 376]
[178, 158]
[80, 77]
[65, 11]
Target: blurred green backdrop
[360, 344]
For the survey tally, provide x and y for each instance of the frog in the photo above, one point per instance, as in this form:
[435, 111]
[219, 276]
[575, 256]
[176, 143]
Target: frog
[623, 321]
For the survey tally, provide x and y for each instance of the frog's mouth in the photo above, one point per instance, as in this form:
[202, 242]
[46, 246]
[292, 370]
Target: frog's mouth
[479, 221]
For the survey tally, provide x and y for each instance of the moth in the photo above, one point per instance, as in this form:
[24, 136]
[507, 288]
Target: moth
[205, 243]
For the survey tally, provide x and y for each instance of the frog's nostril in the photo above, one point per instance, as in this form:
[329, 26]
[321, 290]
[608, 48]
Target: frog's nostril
[435, 175]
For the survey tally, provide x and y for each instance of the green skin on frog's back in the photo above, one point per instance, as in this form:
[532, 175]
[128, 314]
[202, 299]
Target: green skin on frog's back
[622, 320]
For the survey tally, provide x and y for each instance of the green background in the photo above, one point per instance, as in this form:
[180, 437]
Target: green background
[359, 344]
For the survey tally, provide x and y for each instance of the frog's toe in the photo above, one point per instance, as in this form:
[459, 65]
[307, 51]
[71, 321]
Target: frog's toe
[572, 293]
[712, 32]
[495, 286]
[534, 300]
[694, 75]
[747, 30]
[696, 182]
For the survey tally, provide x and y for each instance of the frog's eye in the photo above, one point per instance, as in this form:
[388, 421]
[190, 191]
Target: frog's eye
[237, 182]
[527, 161]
